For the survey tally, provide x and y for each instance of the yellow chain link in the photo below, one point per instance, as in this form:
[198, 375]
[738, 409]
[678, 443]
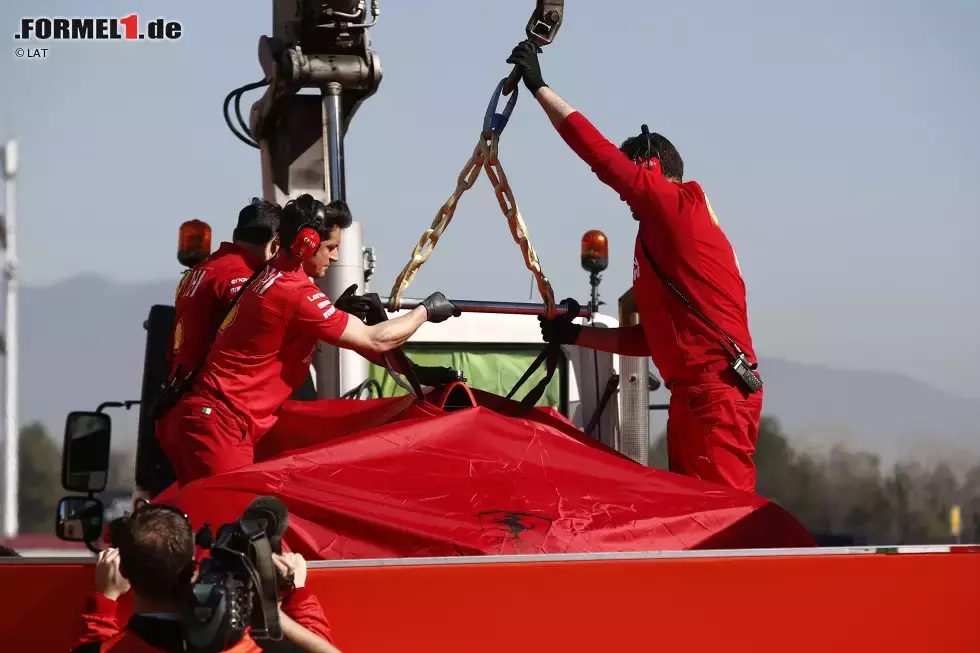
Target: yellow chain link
[485, 157]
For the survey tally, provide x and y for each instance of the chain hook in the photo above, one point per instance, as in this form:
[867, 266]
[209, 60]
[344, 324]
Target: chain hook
[484, 158]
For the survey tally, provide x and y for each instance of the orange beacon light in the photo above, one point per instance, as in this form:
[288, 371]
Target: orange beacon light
[194, 244]
[595, 251]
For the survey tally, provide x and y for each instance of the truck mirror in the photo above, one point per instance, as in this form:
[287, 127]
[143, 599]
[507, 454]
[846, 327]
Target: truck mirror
[79, 519]
[85, 458]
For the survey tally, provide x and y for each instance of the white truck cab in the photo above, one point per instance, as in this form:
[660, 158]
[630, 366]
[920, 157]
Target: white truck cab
[494, 351]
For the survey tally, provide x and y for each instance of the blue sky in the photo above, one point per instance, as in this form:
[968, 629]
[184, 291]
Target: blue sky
[838, 142]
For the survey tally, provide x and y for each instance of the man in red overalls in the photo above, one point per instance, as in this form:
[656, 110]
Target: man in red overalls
[265, 345]
[206, 291]
[689, 291]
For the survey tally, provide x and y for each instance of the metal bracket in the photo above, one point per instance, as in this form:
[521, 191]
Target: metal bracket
[289, 70]
[541, 30]
[545, 22]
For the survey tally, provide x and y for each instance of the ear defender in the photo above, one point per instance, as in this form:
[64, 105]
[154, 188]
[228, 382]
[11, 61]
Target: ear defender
[306, 243]
[307, 240]
[646, 160]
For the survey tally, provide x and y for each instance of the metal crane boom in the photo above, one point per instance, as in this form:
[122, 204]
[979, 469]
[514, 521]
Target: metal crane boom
[324, 45]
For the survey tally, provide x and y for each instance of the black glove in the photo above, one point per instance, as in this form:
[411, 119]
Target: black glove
[525, 57]
[437, 376]
[560, 331]
[439, 308]
[356, 305]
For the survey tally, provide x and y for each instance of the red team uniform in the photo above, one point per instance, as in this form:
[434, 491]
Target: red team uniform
[203, 296]
[713, 421]
[261, 355]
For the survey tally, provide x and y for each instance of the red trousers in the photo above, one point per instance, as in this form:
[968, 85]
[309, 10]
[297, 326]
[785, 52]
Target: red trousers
[712, 428]
[201, 438]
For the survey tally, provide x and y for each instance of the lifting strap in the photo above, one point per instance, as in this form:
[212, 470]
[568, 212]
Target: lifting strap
[553, 354]
[175, 387]
[376, 315]
[484, 157]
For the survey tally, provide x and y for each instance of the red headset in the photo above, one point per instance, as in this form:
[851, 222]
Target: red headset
[307, 240]
[305, 244]
[646, 163]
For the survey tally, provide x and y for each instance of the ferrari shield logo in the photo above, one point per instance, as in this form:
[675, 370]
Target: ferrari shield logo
[178, 335]
[514, 532]
[229, 318]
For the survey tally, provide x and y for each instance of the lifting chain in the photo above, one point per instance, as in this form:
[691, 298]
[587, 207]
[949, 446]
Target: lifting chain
[484, 157]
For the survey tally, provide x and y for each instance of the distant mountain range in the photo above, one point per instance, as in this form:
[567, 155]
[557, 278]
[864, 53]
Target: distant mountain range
[82, 343]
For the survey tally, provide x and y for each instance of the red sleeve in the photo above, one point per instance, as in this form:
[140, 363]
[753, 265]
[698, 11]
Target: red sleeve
[320, 318]
[303, 607]
[644, 190]
[99, 621]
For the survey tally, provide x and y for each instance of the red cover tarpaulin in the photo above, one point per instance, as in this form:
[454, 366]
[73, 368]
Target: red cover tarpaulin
[394, 478]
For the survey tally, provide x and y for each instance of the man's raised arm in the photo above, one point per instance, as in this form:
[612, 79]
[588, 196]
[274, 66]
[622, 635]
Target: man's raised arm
[609, 164]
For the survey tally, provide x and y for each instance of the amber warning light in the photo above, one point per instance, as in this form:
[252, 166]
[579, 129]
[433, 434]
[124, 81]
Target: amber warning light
[194, 244]
[595, 251]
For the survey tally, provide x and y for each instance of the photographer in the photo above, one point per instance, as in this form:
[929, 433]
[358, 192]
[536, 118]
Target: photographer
[304, 626]
[155, 557]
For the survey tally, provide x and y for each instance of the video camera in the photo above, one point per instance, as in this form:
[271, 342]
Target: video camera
[238, 585]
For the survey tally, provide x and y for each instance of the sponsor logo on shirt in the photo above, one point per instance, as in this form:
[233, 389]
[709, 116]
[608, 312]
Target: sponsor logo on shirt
[323, 304]
[316, 296]
[229, 319]
[714, 218]
[636, 268]
[236, 284]
[330, 311]
[178, 335]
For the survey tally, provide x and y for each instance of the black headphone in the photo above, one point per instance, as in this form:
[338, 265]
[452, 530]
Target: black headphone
[647, 159]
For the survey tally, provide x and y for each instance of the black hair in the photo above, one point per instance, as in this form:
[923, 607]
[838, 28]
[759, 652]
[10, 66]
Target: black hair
[7, 552]
[258, 222]
[655, 146]
[156, 552]
[305, 211]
